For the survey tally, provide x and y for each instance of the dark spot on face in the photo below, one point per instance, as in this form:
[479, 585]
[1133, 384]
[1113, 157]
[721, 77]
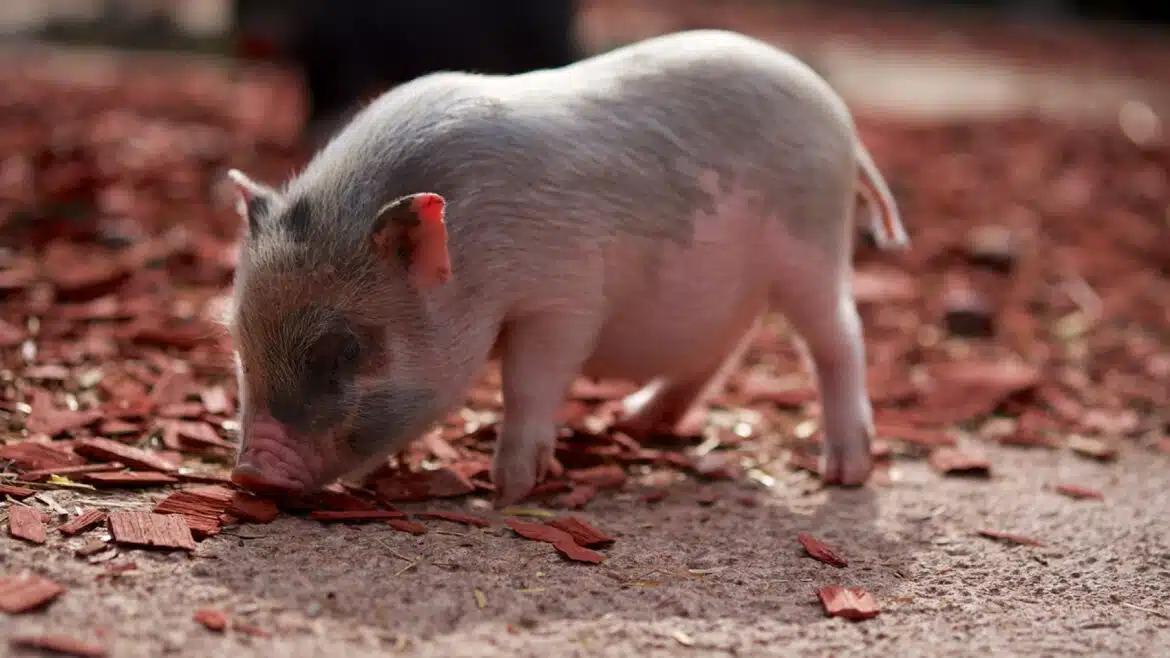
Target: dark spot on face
[258, 208]
[389, 416]
[298, 219]
[315, 399]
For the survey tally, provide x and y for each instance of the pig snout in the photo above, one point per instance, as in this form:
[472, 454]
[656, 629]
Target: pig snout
[275, 458]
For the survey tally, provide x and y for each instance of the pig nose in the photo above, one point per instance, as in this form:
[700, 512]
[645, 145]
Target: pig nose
[251, 477]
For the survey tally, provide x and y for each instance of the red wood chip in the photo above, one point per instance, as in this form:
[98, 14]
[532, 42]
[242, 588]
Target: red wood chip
[215, 400]
[802, 461]
[441, 483]
[30, 455]
[578, 553]
[402, 525]
[250, 629]
[23, 594]
[67, 471]
[60, 644]
[202, 507]
[1077, 491]
[820, 551]
[212, 619]
[578, 497]
[252, 508]
[455, 517]
[920, 436]
[151, 530]
[190, 410]
[581, 532]
[655, 496]
[206, 478]
[356, 515]
[82, 522]
[112, 451]
[116, 427]
[854, 604]
[952, 461]
[538, 531]
[198, 434]
[129, 479]
[440, 448]
[602, 477]
[16, 492]
[50, 421]
[1098, 449]
[26, 523]
[1009, 538]
[10, 334]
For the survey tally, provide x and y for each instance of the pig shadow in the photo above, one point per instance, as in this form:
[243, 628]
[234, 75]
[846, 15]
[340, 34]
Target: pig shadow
[735, 559]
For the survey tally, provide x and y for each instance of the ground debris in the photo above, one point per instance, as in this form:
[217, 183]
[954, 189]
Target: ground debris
[149, 530]
[1009, 538]
[61, 645]
[1077, 491]
[454, 517]
[214, 620]
[820, 551]
[27, 593]
[128, 479]
[953, 461]
[581, 532]
[109, 450]
[203, 508]
[15, 491]
[356, 515]
[27, 523]
[82, 522]
[424, 485]
[854, 604]
[404, 525]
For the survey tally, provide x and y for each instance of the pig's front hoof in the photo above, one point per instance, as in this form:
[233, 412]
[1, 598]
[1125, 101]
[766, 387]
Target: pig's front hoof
[516, 474]
[846, 468]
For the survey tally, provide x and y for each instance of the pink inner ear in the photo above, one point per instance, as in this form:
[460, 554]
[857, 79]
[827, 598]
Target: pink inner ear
[432, 264]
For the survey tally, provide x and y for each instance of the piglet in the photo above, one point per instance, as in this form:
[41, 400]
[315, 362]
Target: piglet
[632, 215]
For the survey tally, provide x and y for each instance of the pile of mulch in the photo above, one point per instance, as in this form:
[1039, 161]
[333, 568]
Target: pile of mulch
[1031, 312]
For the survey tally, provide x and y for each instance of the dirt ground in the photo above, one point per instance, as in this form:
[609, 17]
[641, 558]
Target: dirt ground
[1097, 586]
[687, 576]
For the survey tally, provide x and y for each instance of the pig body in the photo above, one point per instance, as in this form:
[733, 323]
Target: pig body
[632, 215]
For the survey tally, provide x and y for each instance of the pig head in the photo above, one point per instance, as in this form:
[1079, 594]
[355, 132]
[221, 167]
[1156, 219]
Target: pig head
[327, 385]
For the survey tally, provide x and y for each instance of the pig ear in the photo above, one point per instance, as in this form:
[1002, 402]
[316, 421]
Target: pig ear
[253, 200]
[411, 228]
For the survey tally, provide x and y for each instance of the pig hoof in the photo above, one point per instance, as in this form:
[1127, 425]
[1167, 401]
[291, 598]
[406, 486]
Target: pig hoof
[848, 465]
[516, 475]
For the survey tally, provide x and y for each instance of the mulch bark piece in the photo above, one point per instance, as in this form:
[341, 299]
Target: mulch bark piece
[581, 532]
[562, 541]
[214, 620]
[356, 515]
[26, 523]
[578, 496]
[148, 530]
[455, 517]
[1078, 492]
[61, 645]
[202, 507]
[15, 491]
[602, 477]
[37, 455]
[111, 451]
[126, 479]
[817, 549]
[852, 603]
[251, 508]
[927, 437]
[1099, 449]
[82, 522]
[425, 485]
[403, 525]
[655, 496]
[26, 593]
[1009, 538]
[952, 461]
[69, 471]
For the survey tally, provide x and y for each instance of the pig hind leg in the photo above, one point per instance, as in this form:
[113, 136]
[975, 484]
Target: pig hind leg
[540, 357]
[662, 405]
[815, 295]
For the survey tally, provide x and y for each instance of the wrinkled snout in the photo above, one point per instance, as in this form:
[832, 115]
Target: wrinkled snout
[274, 459]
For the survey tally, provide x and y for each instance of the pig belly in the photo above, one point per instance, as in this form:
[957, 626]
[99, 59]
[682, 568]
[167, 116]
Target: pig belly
[680, 310]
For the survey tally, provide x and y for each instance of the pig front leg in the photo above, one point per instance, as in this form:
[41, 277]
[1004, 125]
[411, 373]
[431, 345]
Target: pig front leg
[541, 356]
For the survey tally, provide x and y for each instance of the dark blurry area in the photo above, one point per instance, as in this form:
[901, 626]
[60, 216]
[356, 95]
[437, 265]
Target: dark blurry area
[349, 50]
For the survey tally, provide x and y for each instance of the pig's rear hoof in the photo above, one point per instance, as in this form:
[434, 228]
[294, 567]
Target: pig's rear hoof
[252, 478]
